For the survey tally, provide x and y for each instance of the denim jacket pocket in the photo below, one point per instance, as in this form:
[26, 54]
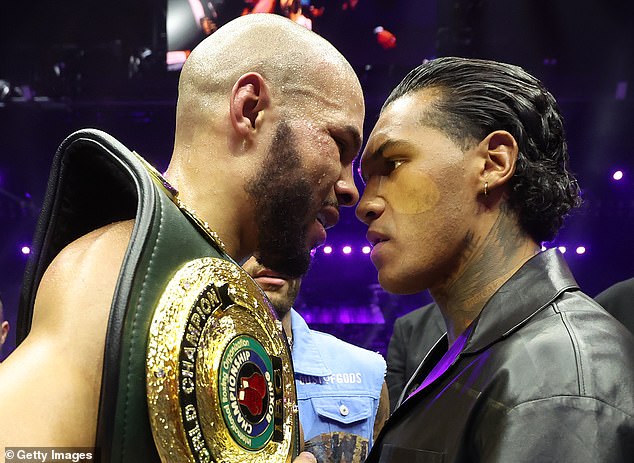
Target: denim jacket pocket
[346, 410]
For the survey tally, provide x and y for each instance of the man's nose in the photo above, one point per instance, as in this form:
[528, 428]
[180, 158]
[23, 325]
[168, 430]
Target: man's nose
[346, 190]
[370, 206]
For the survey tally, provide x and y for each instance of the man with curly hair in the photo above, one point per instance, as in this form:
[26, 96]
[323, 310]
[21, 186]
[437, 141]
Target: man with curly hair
[466, 174]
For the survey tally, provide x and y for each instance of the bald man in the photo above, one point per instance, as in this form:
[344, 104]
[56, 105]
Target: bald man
[264, 144]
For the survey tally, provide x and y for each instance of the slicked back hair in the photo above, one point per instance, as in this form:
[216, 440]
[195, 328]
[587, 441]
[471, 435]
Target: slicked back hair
[478, 97]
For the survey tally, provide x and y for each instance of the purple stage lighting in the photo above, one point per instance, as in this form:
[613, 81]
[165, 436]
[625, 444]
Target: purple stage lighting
[25, 250]
[581, 249]
[347, 249]
[327, 249]
[617, 175]
[366, 249]
[562, 249]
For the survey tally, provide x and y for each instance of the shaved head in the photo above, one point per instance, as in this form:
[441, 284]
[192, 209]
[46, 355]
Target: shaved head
[269, 119]
[293, 60]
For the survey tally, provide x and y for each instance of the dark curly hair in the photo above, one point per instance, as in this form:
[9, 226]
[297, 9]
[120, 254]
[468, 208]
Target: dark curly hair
[479, 97]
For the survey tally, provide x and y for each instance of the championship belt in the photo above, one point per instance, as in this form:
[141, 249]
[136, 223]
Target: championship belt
[220, 383]
[196, 365]
[218, 373]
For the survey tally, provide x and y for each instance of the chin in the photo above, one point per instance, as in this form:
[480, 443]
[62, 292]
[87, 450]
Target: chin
[403, 284]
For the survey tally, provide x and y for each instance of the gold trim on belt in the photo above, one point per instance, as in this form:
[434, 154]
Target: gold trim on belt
[220, 384]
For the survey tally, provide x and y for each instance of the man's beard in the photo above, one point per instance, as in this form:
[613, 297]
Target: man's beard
[282, 198]
[282, 301]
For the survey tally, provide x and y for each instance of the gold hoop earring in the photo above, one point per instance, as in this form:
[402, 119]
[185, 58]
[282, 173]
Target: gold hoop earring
[486, 189]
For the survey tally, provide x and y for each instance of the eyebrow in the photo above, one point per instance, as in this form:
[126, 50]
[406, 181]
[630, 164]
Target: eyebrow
[378, 153]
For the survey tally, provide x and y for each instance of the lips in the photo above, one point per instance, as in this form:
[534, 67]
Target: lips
[317, 234]
[321, 219]
[268, 278]
[375, 238]
[326, 218]
[270, 282]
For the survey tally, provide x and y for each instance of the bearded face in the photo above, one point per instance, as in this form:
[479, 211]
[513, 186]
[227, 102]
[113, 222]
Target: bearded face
[283, 203]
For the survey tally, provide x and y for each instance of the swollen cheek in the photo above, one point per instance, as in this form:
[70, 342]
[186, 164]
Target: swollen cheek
[409, 193]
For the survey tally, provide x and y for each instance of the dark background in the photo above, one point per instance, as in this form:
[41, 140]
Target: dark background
[68, 65]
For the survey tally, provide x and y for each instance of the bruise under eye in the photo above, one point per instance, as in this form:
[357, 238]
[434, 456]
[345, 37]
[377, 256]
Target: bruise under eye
[411, 193]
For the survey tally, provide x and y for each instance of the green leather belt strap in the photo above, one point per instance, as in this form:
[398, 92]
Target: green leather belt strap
[171, 242]
[94, 181]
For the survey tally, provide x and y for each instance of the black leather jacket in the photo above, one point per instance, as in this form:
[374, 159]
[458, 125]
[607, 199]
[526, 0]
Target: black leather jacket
[547, 375]
[413, 337]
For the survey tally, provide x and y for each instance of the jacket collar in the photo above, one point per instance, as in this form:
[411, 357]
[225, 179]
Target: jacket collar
[535, 285]
[307, 357]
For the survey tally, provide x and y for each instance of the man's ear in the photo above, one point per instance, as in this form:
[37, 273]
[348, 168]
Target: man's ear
[4, 331]
[499, 150]
[249, 96]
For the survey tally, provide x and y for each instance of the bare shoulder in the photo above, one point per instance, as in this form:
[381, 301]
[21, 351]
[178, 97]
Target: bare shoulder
[84, 272]
[52, 380]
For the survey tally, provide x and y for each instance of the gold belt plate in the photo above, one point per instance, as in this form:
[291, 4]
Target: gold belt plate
[220, 384]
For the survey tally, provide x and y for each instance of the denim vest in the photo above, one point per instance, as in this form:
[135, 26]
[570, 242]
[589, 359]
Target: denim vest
[338, 384]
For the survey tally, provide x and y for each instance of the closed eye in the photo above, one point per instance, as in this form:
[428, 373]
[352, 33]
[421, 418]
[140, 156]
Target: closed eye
[348, 140]
[341, 146]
